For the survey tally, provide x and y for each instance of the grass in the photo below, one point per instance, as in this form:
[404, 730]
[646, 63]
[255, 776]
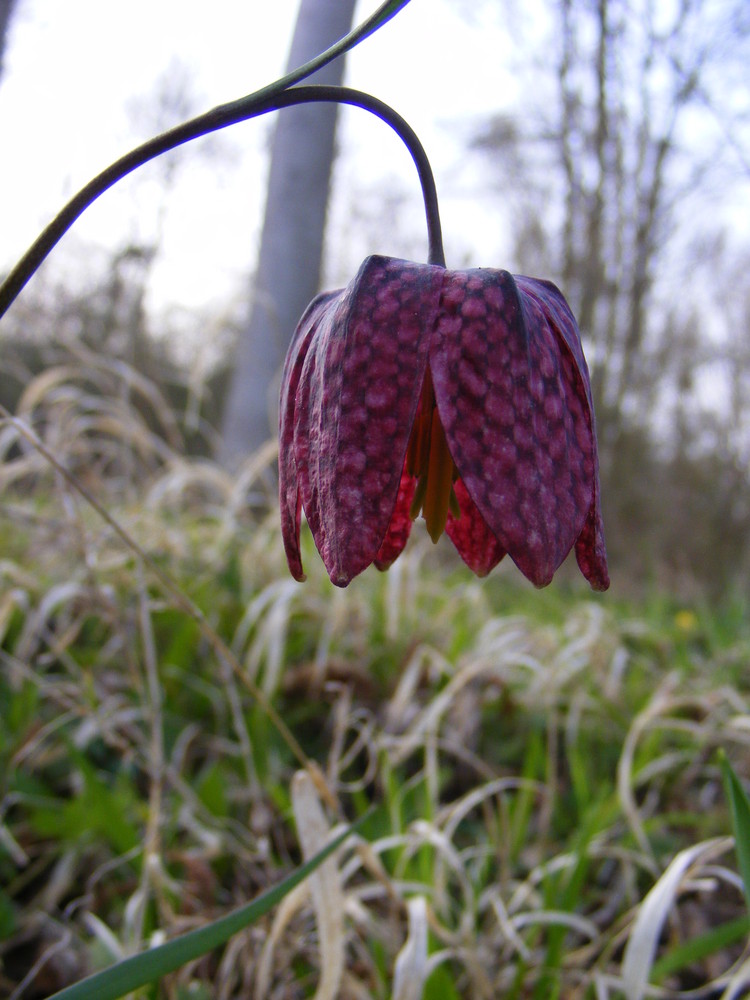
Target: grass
[551, 820]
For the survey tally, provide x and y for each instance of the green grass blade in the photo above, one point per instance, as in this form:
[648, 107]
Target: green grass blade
[151, 965]
[739, 806]
[699, 948]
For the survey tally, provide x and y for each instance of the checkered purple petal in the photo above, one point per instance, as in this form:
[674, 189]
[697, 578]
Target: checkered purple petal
[356, 400]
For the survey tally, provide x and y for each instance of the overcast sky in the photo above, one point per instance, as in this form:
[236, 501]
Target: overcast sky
[79, 87]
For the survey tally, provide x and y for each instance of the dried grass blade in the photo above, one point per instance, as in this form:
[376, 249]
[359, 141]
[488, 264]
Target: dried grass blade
[325, 885]
[288, 908]
[641, 948]
[410, 970]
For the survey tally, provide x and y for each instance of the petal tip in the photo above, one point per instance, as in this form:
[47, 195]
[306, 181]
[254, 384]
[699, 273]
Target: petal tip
[598, 581]
[593, 565]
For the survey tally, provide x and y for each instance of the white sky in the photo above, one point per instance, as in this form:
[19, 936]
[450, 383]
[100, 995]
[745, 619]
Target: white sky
[75, 72]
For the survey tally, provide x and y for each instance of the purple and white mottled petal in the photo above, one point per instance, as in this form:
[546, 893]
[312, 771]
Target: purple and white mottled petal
[357, 397]
[290, 501]
[591, 551]
[558, 314]
[514, 418]
[513, 395]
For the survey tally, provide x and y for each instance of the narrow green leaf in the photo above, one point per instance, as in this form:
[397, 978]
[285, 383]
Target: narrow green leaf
[151, 965]
[739, 806]
[709, 943]
[440, 985]
[8, 919]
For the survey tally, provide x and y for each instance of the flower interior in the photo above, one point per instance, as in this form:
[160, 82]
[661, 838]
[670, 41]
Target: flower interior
[428, 458]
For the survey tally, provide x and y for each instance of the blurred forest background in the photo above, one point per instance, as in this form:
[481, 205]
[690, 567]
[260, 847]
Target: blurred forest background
[622, 173]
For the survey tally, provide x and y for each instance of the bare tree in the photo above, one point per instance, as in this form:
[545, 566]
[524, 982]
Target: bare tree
[645, 104]
[635, 128]
[616, 149]
[289, 262]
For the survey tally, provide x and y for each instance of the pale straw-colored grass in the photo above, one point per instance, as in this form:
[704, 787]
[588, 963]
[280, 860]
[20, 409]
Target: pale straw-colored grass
[551, 815]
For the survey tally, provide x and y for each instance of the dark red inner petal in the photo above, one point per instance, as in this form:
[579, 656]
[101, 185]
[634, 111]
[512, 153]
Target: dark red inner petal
[476, 544]
[399, 526]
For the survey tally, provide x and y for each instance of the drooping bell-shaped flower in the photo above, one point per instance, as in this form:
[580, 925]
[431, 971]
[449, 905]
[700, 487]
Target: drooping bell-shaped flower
[460, 395]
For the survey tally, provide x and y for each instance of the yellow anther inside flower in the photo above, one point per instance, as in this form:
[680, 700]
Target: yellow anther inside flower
[428, 459]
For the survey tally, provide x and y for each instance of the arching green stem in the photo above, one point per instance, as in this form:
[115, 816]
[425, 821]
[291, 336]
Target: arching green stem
[376, 20]
[359, 99]
[212, 121]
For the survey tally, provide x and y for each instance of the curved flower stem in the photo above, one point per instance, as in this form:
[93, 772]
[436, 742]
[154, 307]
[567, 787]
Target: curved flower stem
[359, 99]
[212, 121]
[376, 20]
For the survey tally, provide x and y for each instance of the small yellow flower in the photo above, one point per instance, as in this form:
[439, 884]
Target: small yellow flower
[686, 621]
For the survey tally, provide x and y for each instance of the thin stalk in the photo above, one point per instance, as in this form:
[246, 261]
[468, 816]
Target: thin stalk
[179, 597]
[245, 107]
[376, 20]
[212, 121]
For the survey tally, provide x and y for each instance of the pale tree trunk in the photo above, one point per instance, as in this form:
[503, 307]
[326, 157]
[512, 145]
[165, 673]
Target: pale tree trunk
[289, 261]
[6, 10]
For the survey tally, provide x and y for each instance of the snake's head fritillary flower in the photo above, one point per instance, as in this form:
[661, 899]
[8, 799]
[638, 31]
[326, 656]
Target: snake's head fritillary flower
[460, 395]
